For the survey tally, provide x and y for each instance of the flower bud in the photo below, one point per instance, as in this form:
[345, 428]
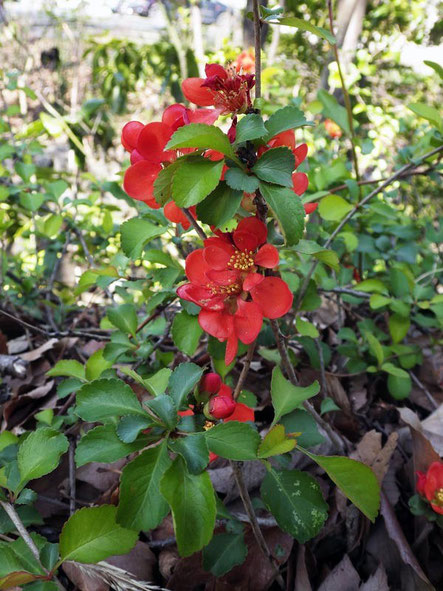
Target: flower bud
[219, 407]
[210, 383]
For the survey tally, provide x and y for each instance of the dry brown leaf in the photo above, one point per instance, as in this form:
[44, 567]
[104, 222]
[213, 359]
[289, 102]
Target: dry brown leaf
[140, 562]
[338, 393]
[81, 580]
[343, 577]
[302, 582]
[423, 452]
[370, 452]
[376, 582]
[37, 353]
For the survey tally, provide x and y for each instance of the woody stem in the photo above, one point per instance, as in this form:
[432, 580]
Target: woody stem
[257, 39]
[194, 223]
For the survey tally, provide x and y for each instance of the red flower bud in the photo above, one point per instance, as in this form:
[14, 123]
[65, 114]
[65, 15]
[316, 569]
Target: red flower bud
[310, 207]
[221, 407]
[210, 383]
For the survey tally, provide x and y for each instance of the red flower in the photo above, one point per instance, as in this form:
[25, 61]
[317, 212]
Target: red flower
[245, 62]
[210, 383]
[224, 280]
[333, 129]
[146, 143]
[224, 88]
[310, 207]
[221, 407]
[430, 485]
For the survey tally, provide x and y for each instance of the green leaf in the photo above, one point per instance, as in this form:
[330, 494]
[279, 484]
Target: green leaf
[40, 453]
[276, 166]
[102, 444]
[124, 318]
[158, 383]
[372, 286]
[333, 110]
[105, 399]
[399, 387]
[275, 443]
[377, 301]
[355, 480]
[163, 182]
[398, 327]
[288, 210]
[25, 171]
[237, 179]
[52, 225]
[183, 380]
[429, 113]
[436, 67]
[193, 449]
[164, 408]
[300, 23]
[141, 506]
[306, 329]
[300, 421]
[137, 232]
[294, 498]
[333, 208]
[286, 397]
[375, 347]
[393, 370]
[250, 127]
[130, 426]
[17, 559]
[195, 179]
[328, 405]
[68, 367]
[221, 205]
[192, 500]
[186, 332]
[96, 365]
[224, 552]
[92, 534]
[289, 117]
[233, 440]
[200, 135]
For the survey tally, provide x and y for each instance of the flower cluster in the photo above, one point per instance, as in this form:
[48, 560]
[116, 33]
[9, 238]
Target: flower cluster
[430, 486]
[146, 143]
[226, 282]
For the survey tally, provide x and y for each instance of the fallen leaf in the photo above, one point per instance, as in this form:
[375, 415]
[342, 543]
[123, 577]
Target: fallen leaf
[423, 452]
[343, 577]
[370, 451]
[376, 582]
[302, 582]
[37, 353]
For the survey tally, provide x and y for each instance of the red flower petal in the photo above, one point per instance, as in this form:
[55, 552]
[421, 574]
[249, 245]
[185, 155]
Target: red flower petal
[299, 182]
[225, 277]
[231, 349]
[214, 155]
[273, 296]
[310, 207]
[152, 141]
[130, 133]
[196, 93]
[300, 154]
[212, 456]
[208, 116]
[139, 180]
[201, 296]
[218, 324]
[285, 138]
[174, 214]
[215, 70]
[248, 321]
[241, 413]
[252, 280]
[267, 256]
[196, 267]
[136, 157]
[217, 258]
[250, 233]
[186, 413]
[175, 116]
[225, 390]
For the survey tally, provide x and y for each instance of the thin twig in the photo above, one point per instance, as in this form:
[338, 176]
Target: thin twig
[347, 291]
[72, 487]
[194, 223]
[324, 385]
[376, 181]
[245, 370]
[424, 390]
[14, 517]
[246, 499]
[257, 38]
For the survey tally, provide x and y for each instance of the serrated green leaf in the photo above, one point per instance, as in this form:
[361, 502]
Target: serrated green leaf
[398, 327]
[286, 397]
[195, 179]
[183, 380]
[186, 332]
[40, 454]
[92, 534]
[294, 498]
[223, 552]
[355, 480]
[102, 444]
[250, 127]
[141, 507]
[275, 443]
[427, 112]
[375, 347]
[163, 182]
[137, 232]
[237, 179]
[304, 25]
[192, 501]
[69, 368]
[287, 209]
[306, 329]
[200, 135]
[333, 208]
[289, 117]
[96, 365]
[276, 166]
[106, 399]
[233, 440]
[164, 408]
[221, 205]
[333, 110]
[124, 318]
[193, 449]
[393, 370]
